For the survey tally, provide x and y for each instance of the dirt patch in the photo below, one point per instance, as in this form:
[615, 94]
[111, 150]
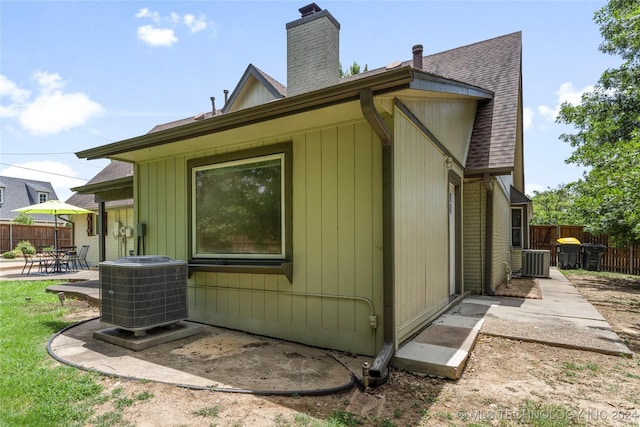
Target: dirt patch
[505, 383]
[618, 300]
[521, 287]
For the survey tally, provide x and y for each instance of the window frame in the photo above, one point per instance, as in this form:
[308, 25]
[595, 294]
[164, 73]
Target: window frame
[1, 194]
[520, 227]
[215, 262]
[41, 195]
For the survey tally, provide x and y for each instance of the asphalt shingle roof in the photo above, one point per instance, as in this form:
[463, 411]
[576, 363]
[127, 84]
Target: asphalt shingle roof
[114, 170]
[495, 65]
[19, 192]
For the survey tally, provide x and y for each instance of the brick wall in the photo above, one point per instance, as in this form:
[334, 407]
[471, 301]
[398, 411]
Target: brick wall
[474, 230]
[313, 59]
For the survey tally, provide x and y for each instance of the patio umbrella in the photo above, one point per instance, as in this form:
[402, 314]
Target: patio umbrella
[55, 208]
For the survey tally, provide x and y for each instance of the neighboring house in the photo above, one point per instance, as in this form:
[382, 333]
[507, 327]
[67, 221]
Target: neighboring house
[110, 196]
[17, 193]
[341, 213]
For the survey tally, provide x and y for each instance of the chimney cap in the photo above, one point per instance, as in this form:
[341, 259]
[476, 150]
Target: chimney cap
[309, 9]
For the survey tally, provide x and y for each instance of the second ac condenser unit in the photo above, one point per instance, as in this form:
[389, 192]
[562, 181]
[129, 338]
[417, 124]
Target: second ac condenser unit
[535, 263]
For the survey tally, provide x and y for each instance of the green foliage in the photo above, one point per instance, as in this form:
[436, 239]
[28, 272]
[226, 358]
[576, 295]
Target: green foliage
[607, 140]
[23, 219]
[352, 70]
[25, 247]
[9, 255]
[555, 207]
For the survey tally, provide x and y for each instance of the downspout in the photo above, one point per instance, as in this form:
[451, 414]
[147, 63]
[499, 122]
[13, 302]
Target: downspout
[379, 370]
[102, 244]
[488, 245]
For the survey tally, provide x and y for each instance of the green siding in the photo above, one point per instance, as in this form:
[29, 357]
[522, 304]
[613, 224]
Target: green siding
[421, 229]
[337, 242]
[451, 121]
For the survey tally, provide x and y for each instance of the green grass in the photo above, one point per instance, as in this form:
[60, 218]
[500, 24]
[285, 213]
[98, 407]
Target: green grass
[32, 390]
[605, 274]
[208, 411]
[546, 415]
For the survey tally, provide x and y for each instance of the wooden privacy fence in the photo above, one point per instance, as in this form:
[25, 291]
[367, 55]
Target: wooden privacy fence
[619, 260]
[38, 235]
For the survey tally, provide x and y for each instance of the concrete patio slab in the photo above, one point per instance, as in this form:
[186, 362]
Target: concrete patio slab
[562, 317]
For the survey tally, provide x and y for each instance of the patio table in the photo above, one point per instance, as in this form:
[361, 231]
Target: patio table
[53, 259]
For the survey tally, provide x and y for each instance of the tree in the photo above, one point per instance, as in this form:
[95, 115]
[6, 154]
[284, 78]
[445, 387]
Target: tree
[23, 219]
[555, 207]
[607, 140]
[353, 70]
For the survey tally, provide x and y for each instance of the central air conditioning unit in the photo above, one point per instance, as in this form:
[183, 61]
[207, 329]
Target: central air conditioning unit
[143, 292]
[535, 263]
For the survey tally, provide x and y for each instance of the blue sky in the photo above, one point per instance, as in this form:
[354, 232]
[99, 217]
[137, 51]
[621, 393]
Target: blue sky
[80, 74]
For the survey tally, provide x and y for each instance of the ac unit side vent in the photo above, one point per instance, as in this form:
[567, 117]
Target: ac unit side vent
[535, 263]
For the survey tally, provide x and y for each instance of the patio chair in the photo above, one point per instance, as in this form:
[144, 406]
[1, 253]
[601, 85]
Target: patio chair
[68, 261]
[29, 261]
[79, 258]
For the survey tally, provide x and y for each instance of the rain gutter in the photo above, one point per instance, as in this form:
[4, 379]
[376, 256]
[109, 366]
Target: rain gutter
[379, 371]
[348, 91]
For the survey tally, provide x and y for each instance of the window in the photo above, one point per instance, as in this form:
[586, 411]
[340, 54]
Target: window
[42, 197]
[516, 227]
[90, 230]
[1, 194]
[240, 205]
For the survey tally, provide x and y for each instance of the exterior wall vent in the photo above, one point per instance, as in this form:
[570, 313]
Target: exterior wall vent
[535, 263]
[143, 292]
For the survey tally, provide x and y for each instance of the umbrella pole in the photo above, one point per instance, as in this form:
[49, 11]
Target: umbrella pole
[55, 233]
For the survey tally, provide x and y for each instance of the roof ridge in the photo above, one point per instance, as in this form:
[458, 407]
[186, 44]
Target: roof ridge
[476, 43]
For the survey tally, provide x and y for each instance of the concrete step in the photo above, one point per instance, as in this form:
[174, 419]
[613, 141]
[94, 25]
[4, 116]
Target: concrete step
[443, 348]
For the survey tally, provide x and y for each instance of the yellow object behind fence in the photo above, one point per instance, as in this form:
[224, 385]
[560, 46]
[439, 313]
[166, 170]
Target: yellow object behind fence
[568, 241]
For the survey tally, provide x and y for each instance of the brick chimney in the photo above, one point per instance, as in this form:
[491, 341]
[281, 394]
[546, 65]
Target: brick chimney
[313, 59]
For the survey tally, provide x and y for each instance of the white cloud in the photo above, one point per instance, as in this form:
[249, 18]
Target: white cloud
[53, 110]
[195, 24]
[48, 82]
[163, 33]
[61, 184]
[57, 111]
[146, 13]
[10, 89]
[566, 93]
[527, 118]
[157, 36]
